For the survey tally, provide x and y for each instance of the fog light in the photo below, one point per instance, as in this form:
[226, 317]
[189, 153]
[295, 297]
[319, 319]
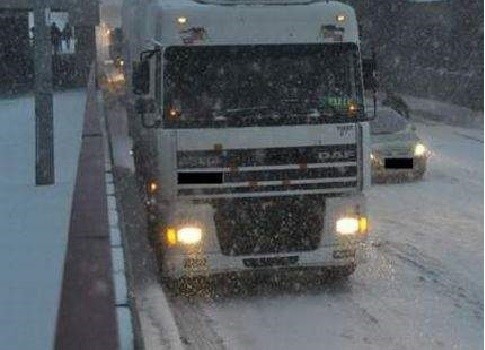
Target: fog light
[189, 235]
[347, 226]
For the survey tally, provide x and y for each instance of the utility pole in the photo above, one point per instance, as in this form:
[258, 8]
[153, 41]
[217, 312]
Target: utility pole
[44, 121]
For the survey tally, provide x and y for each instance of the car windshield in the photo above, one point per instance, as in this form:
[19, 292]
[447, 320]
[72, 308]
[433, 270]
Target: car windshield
[260, 85]
[387, 121]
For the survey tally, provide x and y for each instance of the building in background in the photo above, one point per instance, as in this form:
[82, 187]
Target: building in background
[76, 51]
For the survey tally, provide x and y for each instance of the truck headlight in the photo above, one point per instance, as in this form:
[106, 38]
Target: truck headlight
[419, 150]
[347, 226]
[184, 235]
[351, 225]
[189, 235]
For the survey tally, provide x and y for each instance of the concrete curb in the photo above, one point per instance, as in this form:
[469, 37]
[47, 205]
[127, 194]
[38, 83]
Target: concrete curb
[123, 311]
[153, 325]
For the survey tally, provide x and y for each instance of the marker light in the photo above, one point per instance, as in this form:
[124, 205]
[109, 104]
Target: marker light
[173, 114]
[341, 18]
[419, 150]
[352, 108]
[152, 187]
[171, 236]
[347, 226]
[182, 20]
[363, 224]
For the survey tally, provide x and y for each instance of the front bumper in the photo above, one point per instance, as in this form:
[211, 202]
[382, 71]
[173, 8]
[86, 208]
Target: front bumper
[380, 172]
[212, 264]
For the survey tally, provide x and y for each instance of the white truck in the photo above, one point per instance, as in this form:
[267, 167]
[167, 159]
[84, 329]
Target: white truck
[254, 142]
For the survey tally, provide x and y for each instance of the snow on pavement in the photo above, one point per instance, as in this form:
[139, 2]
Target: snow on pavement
[443, 215]
[34, 220]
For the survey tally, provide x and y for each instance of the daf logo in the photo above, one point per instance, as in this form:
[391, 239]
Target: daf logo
[329, 155]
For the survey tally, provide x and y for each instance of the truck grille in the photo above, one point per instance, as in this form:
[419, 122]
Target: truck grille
[267, 172]
[252, 226]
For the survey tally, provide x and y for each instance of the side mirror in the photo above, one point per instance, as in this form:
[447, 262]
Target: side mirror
[147, 109]
[141, 78]
[369, 73]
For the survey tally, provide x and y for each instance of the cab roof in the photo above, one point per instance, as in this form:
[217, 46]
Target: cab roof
[232, 22]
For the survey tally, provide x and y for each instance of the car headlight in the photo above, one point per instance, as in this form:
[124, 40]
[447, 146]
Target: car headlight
[419, 150]
[185, 235]
[351, 225]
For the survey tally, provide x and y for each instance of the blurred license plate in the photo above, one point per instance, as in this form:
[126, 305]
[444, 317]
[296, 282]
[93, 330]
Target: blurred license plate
[399, 163]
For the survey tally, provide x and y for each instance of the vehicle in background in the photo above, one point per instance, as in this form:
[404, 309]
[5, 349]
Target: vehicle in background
[252, 142]
[397, 151]
[113, 77]
[397, 103]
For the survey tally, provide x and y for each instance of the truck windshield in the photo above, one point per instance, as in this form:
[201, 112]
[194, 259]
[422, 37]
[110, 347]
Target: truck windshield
[236, 86]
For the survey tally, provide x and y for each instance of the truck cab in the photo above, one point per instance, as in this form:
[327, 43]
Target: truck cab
[253, 133]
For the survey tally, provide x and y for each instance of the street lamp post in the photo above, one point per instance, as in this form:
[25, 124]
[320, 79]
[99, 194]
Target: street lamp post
[44, 123]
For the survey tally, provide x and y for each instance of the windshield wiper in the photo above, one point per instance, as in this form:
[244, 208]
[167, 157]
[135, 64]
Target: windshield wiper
[311, 108]
[244, 110]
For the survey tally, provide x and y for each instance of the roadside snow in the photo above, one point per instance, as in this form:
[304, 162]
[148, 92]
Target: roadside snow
[444, 111]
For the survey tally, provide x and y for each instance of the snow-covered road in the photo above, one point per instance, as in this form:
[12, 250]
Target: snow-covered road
[419, 284]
